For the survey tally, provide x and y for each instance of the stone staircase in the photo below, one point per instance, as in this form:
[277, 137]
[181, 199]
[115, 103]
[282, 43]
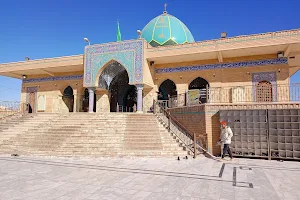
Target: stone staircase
[88, 135]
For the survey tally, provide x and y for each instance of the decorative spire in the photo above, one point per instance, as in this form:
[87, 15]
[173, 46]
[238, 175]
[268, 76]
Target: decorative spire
[165, 11]
[118, 32]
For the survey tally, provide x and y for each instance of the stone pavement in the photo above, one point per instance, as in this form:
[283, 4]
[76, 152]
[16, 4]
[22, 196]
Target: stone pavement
[42, 178]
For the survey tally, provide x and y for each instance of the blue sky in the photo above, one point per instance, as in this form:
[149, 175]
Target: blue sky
[50, 28]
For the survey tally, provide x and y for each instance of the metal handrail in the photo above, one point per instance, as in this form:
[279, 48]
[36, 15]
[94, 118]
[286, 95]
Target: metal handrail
[190, 134]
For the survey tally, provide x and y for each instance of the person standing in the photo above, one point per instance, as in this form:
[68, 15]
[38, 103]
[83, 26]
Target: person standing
[225, 138]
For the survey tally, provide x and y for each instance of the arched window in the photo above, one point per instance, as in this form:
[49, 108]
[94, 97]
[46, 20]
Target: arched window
[68, 98]
[264, 92]
[200, 84]
[166, 90]
[68, 92]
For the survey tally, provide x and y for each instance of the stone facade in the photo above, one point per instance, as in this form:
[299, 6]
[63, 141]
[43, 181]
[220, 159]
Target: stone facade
[53, 93]
[237, 70]
[220, 81]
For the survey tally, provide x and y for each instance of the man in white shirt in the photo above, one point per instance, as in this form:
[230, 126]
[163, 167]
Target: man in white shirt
[225, 137]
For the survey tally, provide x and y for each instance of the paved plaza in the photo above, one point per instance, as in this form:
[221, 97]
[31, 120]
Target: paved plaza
[41, 178]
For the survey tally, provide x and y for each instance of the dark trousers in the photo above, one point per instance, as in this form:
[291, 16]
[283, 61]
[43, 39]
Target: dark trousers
[225, 149]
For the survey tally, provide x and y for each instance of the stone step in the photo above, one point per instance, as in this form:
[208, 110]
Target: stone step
[105, 154]
[74, 142]
[96, 132]
[86, 146]
[93, 138]
[86, 134]
[92, 151]
[103, 134]
[24, 123]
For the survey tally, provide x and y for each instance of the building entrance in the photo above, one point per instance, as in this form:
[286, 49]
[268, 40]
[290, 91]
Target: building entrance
[122, 96]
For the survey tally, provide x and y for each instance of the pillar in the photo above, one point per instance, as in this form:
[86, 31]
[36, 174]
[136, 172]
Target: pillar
[75, 104]
[181, 94]
[91, 99]
[139, 98]
[102, 101]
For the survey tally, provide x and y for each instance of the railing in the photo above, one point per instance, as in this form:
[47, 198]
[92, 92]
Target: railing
[189, 139]
[9, 108]
[121, 108]
[259, 93]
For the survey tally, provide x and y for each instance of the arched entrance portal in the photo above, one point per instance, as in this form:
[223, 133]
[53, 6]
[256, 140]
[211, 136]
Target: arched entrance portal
[68, 98]
[264, 92]
[202, 85]
[122, 95]
[115, 79]
[166, 90]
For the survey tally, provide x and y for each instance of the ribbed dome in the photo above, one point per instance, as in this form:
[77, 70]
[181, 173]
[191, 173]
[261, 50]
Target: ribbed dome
[166, 29]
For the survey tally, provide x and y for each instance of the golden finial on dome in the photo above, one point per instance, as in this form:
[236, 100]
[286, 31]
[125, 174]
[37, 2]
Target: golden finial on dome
[165, 11]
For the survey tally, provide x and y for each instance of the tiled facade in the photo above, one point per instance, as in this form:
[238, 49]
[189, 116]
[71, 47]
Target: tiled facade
[265, 76]
[128, 53]
[276, 61]
[56, 78]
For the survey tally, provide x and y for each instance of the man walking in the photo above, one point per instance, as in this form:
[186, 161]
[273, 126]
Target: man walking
[226, 135]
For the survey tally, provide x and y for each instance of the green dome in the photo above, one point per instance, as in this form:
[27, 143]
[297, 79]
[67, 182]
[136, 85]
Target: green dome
[165, 30]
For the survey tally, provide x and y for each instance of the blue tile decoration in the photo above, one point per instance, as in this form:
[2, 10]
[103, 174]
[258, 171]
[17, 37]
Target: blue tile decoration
[31, 89]
[255, 63]
[265, 76]
[130, 54]
[166, 28]
[55, 78]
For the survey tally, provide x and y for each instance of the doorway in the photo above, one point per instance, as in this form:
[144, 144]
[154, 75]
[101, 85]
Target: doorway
[31, 102]
[123, 97]
[68, 98]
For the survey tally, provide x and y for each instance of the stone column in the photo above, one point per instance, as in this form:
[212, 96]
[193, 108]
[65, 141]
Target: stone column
[91, 99]
[139, 98]
[75, 101]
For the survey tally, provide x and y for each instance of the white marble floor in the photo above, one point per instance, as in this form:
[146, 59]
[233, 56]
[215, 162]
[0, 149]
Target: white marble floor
[38, 178]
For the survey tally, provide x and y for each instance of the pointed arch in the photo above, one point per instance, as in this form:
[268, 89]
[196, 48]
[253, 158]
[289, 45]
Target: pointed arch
[198, 83]
[108, 72]
[167, 89]
[68, 98]
[68, 92]
[129, 53]
[202, 86]
[123, 96]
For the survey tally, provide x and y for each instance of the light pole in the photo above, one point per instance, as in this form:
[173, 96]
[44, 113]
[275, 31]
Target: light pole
[87, 40]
